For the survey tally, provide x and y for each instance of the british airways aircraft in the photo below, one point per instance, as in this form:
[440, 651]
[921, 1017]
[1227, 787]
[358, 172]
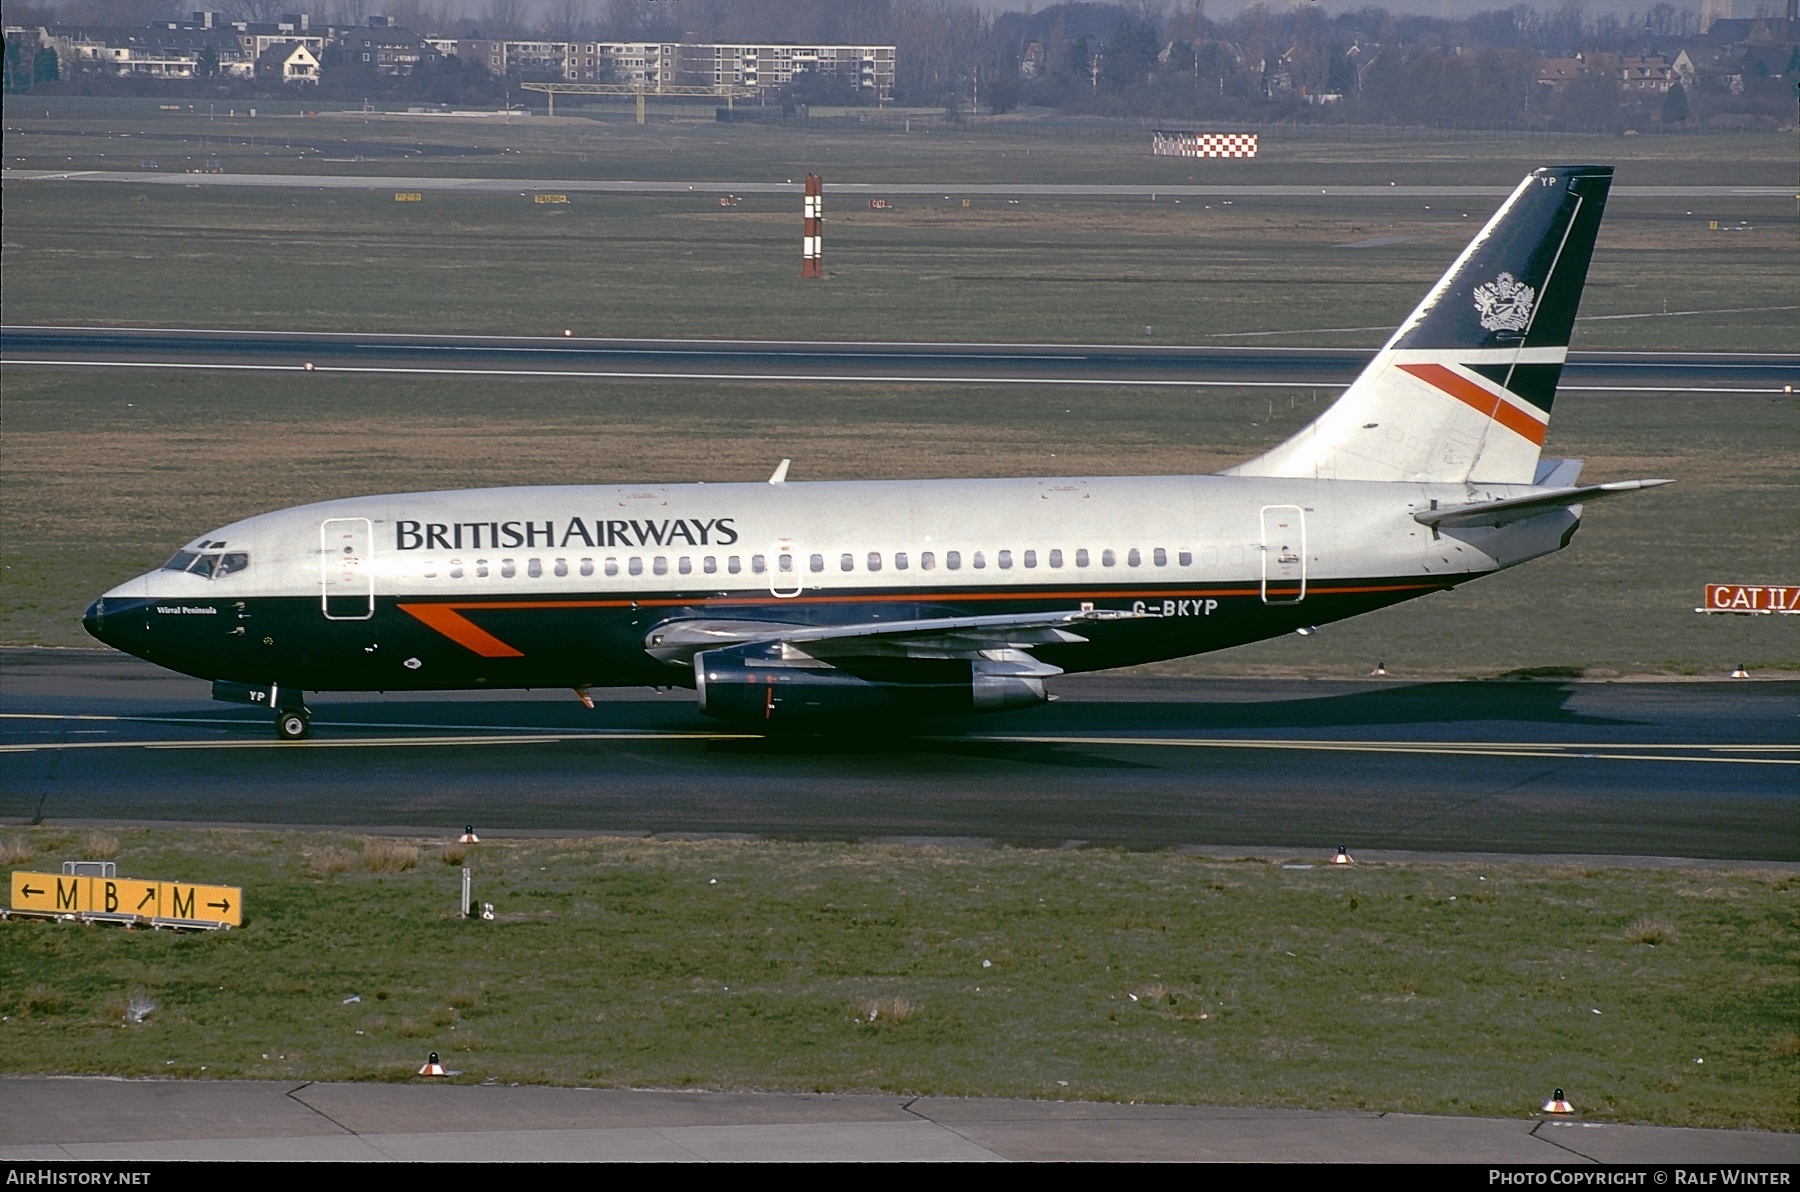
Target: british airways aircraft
[785, 602]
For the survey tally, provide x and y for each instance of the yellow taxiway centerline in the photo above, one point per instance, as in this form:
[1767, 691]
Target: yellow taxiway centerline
[1577, 751]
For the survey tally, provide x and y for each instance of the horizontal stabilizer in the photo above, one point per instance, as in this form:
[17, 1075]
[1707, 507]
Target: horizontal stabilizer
[1512, 509]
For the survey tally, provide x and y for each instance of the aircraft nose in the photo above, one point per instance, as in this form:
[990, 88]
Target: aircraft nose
[94, 621]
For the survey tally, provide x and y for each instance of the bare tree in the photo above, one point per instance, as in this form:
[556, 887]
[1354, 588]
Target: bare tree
[505, 18]
[569, 20]
[349, 12]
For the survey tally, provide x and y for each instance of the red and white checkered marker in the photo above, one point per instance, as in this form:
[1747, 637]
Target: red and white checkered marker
[1173, 143]
[1343, 857]
[1557, 1104]
[468, 836]
[432, 1067]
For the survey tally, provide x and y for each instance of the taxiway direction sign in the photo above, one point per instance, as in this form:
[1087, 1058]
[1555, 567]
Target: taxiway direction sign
[66, 894]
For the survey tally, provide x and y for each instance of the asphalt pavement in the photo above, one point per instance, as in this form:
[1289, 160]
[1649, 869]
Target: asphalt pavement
[1719, 373]
[1539, 768]
[86, 1119]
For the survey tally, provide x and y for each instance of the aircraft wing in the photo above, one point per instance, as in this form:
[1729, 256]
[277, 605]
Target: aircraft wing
[1512, 509]
[938, 637]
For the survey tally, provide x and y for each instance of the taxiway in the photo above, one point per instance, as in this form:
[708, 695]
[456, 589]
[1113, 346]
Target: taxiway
[1651, 769]
[1717, 373]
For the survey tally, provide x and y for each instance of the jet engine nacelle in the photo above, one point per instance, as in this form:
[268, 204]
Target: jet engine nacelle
[763, 691]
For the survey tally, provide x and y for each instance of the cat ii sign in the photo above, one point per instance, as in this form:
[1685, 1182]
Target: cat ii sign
[1751, 598]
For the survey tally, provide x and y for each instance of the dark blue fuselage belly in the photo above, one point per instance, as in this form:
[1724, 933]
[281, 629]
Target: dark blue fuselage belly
[598, 640]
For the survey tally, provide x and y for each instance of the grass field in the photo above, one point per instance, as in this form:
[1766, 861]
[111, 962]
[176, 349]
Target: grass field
[1664, 996]
[83, 134]
[1254, 271]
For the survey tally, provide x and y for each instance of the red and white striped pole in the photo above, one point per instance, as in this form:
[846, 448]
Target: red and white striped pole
[811, 251]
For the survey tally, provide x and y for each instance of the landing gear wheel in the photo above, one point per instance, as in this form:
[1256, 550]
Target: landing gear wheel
[293, 726]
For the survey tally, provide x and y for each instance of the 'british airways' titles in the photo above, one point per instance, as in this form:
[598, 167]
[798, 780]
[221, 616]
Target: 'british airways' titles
[553, 534]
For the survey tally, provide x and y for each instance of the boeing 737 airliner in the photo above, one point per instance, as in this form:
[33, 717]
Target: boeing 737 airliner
[782, 602]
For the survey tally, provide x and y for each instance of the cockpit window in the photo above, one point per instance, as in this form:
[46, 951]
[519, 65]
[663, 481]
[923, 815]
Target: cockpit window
[212, 565]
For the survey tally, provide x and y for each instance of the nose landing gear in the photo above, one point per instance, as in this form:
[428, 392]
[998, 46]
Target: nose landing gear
[293, 719]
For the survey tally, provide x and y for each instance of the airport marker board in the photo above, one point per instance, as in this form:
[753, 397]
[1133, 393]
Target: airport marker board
[72, 894]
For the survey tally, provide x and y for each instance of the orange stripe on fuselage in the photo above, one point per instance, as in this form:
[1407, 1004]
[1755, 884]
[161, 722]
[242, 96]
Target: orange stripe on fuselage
[447, 620]
[1475, 397]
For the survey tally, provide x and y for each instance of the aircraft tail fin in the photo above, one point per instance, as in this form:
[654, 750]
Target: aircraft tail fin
[1462, 391]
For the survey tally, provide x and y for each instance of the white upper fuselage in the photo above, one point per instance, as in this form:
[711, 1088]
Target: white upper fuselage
[918, 537]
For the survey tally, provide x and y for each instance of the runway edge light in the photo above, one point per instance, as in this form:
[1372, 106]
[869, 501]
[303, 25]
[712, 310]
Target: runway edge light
[1343, 857]
[1557, 1104]
[433, 1068]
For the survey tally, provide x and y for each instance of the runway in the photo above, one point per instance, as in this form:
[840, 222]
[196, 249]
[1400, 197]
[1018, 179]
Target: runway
[1723, 374]
[1700, 770]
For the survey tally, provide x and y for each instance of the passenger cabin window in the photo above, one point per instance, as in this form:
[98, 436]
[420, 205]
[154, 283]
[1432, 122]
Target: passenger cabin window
[1109, 558]
[709, 564]
[1081, 557]
[817, 563]
[480, 568]
[847, 562]
[456, 569]
[927, 561]
[587, 567]
[1031, 558]
[899, 560]
[1005, 557]
[685, 565]
[758, 564]
[734, 565]
[506, 569]
[980, 561]
[534, 568]
[635, 565]
[612, 567]
[874, 560]
[1186, 558]
[953, 560]
[1160, 557]
[1135, 557]
[1056, 558]
[660, 565]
